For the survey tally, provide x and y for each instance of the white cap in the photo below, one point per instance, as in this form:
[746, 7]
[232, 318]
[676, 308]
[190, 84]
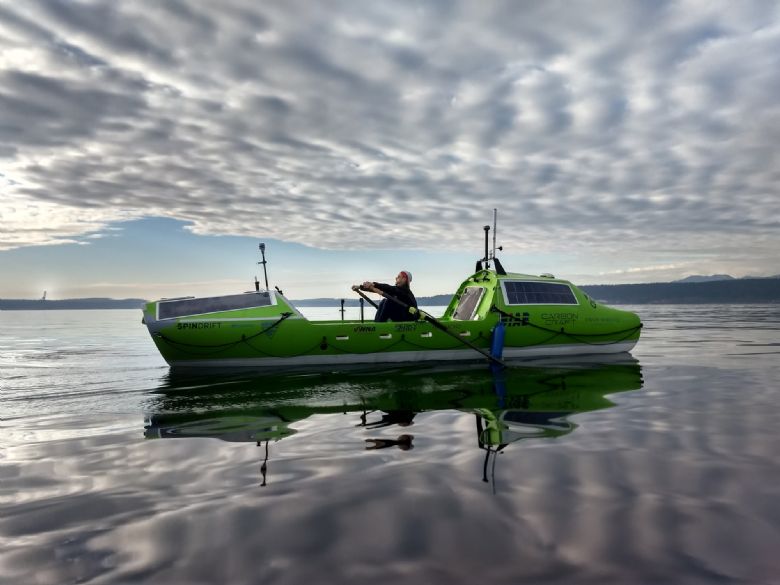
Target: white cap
[408, 275]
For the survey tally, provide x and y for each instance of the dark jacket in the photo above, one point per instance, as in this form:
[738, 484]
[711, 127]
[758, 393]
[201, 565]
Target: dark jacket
[390, 311]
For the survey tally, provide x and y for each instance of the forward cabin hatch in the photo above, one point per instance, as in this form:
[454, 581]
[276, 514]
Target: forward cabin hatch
[468, 303]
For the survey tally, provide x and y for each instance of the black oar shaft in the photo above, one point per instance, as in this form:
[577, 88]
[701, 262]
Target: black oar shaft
[439, 325]
[358, 291]
[444, 329]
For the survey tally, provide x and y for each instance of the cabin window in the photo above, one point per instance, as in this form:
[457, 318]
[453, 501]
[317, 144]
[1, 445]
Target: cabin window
[186, 307]
[469, 301]
[537, 293]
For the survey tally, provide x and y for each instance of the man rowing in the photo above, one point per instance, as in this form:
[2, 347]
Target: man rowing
[389, 310]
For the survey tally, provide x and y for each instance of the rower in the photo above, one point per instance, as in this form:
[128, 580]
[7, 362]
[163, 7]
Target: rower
[388, 310]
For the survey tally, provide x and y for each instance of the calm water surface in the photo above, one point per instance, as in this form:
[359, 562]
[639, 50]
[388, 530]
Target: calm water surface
[661, 468]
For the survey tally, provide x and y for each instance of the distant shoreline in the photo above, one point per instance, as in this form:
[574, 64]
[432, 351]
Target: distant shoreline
[736, 291]
[69, 304]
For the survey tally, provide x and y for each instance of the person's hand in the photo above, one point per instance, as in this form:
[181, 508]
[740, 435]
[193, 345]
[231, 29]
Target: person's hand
[367, 285]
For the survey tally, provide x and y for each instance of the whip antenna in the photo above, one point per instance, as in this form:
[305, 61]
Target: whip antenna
[496, 262]
[495, 221]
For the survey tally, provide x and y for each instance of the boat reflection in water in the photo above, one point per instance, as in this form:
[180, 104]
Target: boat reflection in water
[520, 402]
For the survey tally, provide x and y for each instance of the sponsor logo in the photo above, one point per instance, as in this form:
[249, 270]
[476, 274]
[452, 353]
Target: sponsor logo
[515, 320]
[559, 316]
[602, 320]
[199, 325]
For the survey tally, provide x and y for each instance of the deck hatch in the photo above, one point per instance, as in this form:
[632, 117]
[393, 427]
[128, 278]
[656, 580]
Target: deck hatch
[187, 307]
[468, 303]
[517, 292]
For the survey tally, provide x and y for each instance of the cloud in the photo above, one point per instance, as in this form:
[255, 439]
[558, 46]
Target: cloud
[601, 127]
[26, 221]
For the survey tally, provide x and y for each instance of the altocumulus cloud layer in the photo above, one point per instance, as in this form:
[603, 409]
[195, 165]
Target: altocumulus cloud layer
[632, 126]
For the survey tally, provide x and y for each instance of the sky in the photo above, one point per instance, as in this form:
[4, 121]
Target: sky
[147, 147]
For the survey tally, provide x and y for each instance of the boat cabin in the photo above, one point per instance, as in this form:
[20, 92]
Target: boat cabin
[508, 292]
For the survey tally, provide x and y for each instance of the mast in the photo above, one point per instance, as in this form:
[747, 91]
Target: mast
[487, 253]
[263, 262]
[484, 263]
[495, 220]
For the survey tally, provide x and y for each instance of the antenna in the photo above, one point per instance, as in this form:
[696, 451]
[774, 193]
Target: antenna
[496, 262]
[263, 262]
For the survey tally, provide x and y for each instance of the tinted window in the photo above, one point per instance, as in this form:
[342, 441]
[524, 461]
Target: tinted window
[469, 300]
[538, 293]
[183, 307]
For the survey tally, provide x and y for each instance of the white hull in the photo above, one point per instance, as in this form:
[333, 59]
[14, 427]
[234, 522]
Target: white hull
[538, 351]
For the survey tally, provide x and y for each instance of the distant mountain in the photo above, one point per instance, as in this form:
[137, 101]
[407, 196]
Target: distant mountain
[736, 290]
[733, 290]
[701, 278]
[69, 304]
[717, 290]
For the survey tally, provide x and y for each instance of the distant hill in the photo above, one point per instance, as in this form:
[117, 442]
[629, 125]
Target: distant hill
[741, 290]
[727, 290]
[80, 304]
[701, 278]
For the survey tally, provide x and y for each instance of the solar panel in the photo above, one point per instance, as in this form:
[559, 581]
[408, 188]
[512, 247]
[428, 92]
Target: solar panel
[185, 307]
[537, 293]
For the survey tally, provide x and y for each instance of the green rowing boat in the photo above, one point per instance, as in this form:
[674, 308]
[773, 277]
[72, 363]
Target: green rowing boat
[493, 313]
